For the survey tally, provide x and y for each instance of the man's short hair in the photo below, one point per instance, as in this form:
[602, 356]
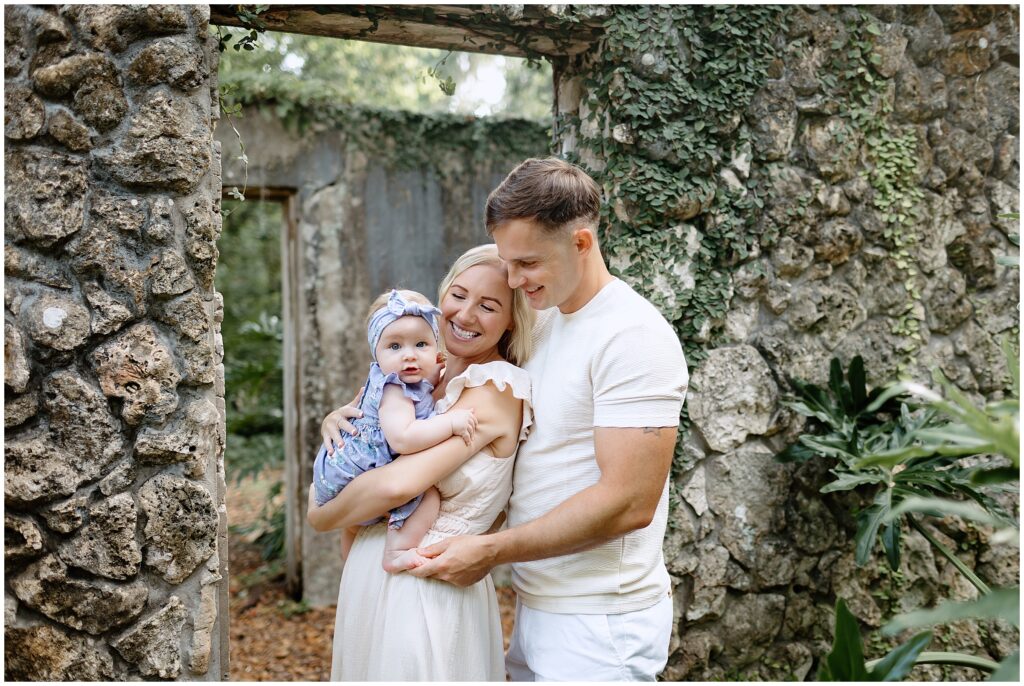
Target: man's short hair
[550, 192]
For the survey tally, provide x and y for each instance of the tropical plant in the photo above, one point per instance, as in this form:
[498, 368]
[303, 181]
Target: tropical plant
[992, 433]
[885, 440]
[846, 660]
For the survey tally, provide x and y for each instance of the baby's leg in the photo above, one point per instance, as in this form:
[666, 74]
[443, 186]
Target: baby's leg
[348, 537]
[400, 547]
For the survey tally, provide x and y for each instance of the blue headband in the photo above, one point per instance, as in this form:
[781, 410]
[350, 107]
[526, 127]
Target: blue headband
[396, 307]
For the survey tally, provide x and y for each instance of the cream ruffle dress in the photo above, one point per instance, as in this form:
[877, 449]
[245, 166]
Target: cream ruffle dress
[398, 627]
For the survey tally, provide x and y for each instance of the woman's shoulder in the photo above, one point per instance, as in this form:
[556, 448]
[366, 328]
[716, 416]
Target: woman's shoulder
[502, 375]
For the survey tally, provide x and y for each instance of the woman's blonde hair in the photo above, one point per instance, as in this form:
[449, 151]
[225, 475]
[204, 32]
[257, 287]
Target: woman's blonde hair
[516, 343]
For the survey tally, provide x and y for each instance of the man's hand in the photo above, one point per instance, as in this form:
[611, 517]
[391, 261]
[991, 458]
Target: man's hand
[459, 560]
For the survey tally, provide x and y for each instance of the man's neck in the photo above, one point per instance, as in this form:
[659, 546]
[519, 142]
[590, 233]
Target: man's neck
[595, 277]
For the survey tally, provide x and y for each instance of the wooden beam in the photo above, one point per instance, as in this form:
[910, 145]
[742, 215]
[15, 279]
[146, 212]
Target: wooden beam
[514, 30]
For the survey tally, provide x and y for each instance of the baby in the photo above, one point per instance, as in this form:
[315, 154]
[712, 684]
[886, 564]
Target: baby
[398, 418]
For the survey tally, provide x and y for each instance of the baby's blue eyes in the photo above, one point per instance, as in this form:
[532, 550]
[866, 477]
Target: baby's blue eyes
[396, 347]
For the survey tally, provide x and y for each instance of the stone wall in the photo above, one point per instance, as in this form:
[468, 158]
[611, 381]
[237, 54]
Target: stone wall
[362, 221]
[114, 526]
[757, 555]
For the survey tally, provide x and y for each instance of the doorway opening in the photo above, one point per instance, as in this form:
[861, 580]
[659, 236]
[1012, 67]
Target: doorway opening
[291, 202]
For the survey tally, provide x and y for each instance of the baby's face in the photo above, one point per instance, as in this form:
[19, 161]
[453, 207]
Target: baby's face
[408, 347]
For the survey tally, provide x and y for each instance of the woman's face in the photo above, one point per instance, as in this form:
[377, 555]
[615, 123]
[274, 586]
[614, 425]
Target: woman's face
[476, 311]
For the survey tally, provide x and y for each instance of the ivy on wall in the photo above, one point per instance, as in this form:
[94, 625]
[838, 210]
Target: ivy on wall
[403, 140]
[664, 111]
[891, 156]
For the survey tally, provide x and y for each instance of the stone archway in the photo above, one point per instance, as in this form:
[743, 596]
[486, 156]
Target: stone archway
[113, 387]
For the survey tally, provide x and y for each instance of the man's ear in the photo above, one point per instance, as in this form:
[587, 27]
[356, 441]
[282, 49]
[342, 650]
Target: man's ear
[584, 240]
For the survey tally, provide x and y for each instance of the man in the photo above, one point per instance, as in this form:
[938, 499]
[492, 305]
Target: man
[589, 505]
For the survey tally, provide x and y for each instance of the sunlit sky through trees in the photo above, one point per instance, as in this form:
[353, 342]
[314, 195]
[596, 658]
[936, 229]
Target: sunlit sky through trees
[399, 77]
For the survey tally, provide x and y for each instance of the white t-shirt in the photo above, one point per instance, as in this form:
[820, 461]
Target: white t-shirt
[615, 362]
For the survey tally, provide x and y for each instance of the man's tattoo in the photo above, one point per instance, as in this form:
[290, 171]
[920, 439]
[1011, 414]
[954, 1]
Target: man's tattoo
[656, 430]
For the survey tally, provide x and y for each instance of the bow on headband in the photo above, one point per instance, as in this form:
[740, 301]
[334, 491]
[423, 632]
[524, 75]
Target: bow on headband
[396, 307]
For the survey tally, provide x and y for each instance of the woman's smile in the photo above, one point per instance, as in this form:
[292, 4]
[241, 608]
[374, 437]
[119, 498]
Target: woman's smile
[463, 334]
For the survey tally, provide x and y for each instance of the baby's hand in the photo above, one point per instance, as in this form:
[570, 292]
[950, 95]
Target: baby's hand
[463, 424]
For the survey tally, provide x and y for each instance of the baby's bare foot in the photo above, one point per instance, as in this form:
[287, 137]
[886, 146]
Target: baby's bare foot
[400, 560]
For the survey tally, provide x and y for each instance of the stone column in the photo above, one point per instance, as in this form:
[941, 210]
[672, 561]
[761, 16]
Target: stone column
[115, 527]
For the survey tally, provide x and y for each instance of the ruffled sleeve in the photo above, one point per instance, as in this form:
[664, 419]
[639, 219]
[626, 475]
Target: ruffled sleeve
[503, 375]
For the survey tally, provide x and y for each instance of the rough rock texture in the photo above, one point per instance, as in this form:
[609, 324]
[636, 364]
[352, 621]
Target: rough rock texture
[726, 407]
[20, 409]
[757, 554]
[138, 367]
[205, 620]
[45, 653]
[24, 113]
[164, 146]
[44, 195]
[90, 606]
[107, 546]
[153, 644]
[181, 526]
[195, 433]
[80, 419]
[67, 515]
[70, 132]
[16, 361]
[177, 61]
[108, 309]
[22, 538]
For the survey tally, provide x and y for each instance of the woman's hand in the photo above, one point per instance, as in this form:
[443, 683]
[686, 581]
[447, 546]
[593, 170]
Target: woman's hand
[337, 421]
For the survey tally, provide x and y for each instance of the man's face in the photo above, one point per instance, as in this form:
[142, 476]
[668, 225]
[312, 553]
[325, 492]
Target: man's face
[547, 267]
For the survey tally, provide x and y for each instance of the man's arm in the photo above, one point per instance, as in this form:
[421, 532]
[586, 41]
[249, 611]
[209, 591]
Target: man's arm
[634, 465]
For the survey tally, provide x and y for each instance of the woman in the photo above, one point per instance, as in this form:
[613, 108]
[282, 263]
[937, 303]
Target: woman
[400, 627]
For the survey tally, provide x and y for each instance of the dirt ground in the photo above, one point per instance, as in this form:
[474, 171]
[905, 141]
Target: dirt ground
[275, 638]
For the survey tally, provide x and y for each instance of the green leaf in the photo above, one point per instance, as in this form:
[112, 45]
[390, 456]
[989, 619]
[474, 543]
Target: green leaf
[857, 381]
[1008, 670]
[797, 452]
[891, 543]
[997, 475]
[868, 523]
[900, 660]
[943, 507]
[885, 396]
[1001, 603]
[846, 481]
[846, 660]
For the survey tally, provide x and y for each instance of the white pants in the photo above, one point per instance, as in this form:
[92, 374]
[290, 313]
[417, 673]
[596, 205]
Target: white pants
[555, 647]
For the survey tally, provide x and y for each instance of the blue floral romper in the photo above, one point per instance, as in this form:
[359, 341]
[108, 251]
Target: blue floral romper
[369, 448]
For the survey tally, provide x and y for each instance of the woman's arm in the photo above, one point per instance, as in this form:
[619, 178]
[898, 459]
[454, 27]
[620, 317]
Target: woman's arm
[373, 493]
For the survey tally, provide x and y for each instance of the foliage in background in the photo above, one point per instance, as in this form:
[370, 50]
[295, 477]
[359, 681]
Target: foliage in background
[891, 157]
[676, 100]
[401, 139]
[883, 440]
[932, 445]
[249, 278]
[398, 77]
[664, 112]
